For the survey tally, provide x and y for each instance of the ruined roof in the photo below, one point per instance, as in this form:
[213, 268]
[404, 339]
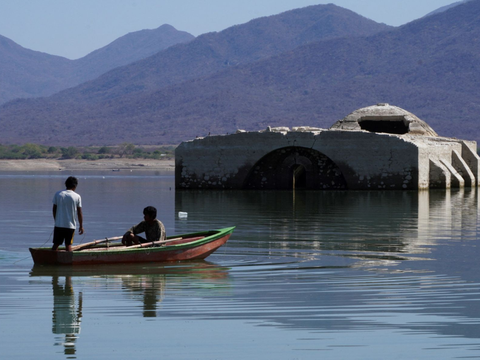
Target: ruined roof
[384, 118]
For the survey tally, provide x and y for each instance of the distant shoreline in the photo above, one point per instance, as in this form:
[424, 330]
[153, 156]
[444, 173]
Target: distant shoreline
[103, 164]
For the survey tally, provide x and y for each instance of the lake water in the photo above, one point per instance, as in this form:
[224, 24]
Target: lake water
[305, 275]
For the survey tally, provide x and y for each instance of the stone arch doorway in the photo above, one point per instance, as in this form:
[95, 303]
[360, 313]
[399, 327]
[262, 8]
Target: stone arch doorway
[295, 168]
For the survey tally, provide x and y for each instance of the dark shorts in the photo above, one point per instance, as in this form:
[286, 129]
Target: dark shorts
[63, 234]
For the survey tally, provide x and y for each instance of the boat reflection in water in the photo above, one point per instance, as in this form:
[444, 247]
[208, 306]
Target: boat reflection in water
[146, 282]
[67, 313]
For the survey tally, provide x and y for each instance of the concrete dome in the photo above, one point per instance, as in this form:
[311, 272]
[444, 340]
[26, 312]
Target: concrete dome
[384, 118]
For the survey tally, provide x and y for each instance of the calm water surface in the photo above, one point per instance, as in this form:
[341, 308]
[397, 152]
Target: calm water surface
[305, 275]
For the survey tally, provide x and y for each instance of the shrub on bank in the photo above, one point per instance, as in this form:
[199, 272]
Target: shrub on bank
[125, 150]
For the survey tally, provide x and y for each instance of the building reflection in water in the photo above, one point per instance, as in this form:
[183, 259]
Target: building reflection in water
[373, 222]
[457, 209]
[67, 314]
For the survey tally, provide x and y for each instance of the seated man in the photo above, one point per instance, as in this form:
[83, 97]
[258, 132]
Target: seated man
[153, 228]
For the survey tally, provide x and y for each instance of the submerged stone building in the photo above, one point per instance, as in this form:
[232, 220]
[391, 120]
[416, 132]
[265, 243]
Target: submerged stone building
[379, 147]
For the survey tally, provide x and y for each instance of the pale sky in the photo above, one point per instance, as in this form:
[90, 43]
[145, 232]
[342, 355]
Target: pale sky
[74, 28]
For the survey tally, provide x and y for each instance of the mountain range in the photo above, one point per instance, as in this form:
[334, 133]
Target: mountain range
[27, 73]
[309, 66]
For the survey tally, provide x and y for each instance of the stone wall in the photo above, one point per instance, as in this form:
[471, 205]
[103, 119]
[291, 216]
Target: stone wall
[324, 159]
[380, 147]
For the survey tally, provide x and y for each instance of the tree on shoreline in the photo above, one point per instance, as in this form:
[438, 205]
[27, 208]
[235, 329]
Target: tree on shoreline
[127, 150]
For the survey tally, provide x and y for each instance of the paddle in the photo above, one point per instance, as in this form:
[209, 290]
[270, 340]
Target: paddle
[149, 244]
[92, 243]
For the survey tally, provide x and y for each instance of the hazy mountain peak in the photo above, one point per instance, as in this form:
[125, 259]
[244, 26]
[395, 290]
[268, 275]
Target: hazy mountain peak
[27, 73]
[446, 7]
[131, 47]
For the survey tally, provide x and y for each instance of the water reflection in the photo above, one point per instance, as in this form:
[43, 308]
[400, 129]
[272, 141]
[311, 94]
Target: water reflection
[452, 213]
[67, 313]
[305, 275]
[145, 283]
[351, 260]
[149, 288]
[400, 222]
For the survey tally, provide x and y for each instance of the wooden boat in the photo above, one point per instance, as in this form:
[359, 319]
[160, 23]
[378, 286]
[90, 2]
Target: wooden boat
[174, 248]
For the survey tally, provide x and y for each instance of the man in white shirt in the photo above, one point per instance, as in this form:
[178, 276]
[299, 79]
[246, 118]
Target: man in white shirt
[67, 206]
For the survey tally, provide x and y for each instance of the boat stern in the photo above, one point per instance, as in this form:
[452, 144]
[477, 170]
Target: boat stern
[44, 256]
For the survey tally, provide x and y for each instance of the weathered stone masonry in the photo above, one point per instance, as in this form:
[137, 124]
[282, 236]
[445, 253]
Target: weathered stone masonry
[378, 147]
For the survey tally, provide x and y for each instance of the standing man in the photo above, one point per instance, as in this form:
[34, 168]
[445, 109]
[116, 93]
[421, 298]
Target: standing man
[67, 206]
